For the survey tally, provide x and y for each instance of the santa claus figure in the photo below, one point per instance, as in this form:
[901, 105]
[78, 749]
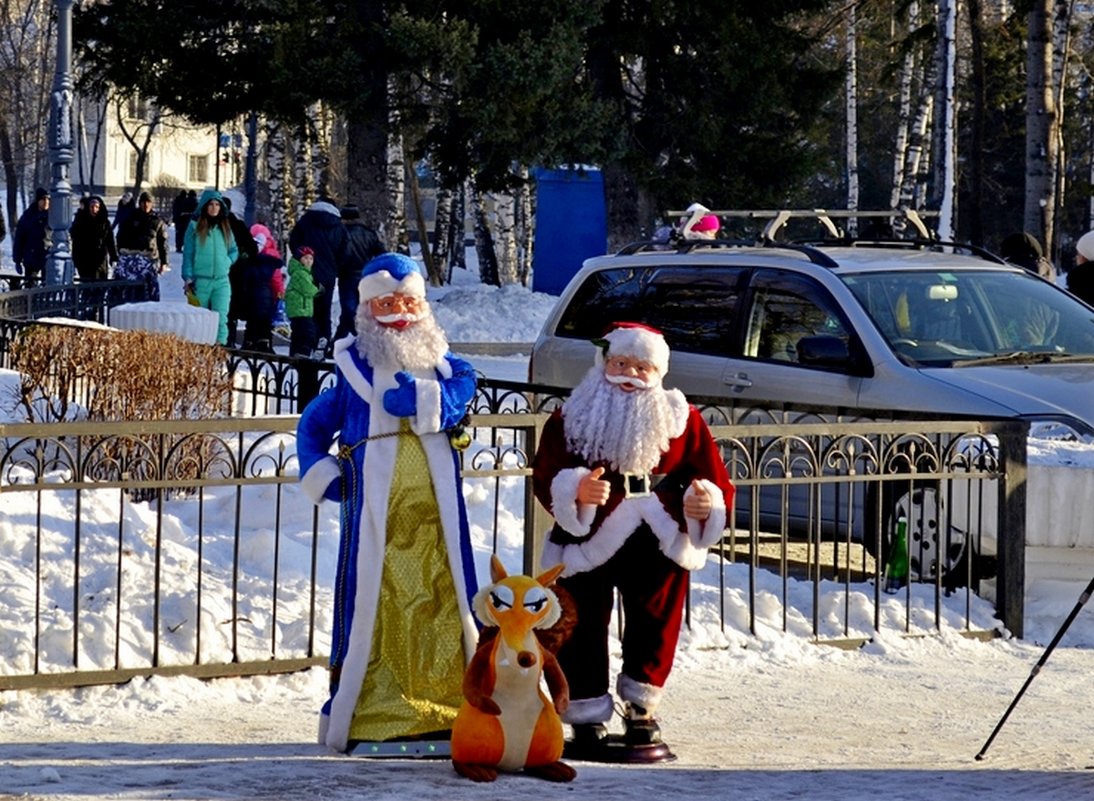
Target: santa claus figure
[638, 491]
[403, 627]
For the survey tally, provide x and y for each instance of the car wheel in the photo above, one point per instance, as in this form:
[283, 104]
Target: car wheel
[923, 506]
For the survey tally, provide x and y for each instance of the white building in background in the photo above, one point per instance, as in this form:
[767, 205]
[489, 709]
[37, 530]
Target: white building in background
[180, 155]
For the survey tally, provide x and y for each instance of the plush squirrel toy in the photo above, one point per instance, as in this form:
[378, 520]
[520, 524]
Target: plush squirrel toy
[506, 722]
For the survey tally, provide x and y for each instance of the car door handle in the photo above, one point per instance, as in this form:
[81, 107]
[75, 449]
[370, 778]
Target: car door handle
[738, 381]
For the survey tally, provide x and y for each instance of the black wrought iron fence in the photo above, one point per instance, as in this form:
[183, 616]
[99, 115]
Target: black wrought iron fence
[225, 568]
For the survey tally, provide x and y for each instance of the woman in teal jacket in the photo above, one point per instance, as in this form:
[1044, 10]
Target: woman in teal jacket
[208, 250]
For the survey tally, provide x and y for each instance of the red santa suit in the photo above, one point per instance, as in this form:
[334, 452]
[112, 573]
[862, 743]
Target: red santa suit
[641, 544]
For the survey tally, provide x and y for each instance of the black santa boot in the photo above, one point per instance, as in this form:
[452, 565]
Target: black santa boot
[641, 741]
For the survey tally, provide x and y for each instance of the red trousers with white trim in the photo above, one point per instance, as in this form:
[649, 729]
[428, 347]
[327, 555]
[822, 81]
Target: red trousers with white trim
[652, 588]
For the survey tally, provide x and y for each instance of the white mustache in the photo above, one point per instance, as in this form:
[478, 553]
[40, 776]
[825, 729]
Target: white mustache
[629, 381]
[400, 317]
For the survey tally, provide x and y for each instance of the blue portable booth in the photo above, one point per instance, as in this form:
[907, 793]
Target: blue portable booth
[571, 225]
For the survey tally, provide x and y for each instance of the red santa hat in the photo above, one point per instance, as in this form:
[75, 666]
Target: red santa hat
[636, 340]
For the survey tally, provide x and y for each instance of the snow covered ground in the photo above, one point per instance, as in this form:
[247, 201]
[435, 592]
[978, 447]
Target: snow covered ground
[764, 717]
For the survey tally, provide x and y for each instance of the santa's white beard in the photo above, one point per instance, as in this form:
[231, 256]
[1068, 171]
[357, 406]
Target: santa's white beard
[419, 347]
[629, 430]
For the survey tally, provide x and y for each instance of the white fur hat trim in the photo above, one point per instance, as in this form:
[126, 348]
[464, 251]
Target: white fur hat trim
[640, 342]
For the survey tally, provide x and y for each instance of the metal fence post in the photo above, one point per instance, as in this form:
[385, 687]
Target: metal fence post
[1011, 539]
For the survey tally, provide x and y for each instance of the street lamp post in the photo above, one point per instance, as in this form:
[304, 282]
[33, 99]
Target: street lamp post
[59, 267]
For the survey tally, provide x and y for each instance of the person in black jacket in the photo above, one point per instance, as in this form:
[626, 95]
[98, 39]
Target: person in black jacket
[93, 249]
[180, 217]
[320, 228]
[142, 247]
[1023, 249]
[248, 251]
[33, 239]
[362, 245]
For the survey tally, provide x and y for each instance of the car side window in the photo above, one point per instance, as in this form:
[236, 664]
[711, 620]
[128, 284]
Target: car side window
[605, 296]
[694, 306]
[785, 308]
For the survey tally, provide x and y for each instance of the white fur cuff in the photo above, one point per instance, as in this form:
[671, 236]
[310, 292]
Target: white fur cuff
[576, 518]
[589, 710]
[427, 419]
[704, 533]
[639, 693]
[314, 483]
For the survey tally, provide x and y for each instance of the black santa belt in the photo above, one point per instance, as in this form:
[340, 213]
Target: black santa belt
[639, 485]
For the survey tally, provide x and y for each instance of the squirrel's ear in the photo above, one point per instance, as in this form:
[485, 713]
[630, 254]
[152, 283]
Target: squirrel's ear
[497, 569]
[548, 577]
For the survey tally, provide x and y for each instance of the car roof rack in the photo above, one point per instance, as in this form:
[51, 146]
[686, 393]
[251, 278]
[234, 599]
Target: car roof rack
[897, 244]
[814, 254]
[778, 218]
[682, 245]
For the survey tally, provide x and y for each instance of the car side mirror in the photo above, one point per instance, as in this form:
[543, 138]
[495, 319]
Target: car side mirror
[825, 350]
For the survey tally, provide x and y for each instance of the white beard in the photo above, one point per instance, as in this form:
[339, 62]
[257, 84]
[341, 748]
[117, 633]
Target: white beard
[418, 348]
[629, 430]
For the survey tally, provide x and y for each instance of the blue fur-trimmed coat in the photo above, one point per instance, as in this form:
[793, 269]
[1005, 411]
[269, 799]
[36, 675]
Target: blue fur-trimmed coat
[360, 405]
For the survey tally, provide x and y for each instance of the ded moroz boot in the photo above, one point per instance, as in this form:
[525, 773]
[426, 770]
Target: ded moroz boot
[640, 726]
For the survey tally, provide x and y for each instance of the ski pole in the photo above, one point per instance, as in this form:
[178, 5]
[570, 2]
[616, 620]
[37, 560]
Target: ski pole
[1040, 664]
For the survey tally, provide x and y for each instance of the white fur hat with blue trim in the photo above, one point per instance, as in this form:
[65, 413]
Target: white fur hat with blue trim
[389, 273]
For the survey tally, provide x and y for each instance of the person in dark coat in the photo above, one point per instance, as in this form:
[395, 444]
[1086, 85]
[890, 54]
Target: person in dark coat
[93, 248]
[180, 217]
[362, 245]
[126, 206]
[142, 247]
[320, 228]
[248, 251]
[259, 285]
[189, 208]
[33, 238]
[1023, 249]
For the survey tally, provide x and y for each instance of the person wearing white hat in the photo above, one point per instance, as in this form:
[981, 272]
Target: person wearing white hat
[403, 627]
[638, 491]
[1080, 278]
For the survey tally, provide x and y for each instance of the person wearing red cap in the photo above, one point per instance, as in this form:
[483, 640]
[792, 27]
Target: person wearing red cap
[638, 491]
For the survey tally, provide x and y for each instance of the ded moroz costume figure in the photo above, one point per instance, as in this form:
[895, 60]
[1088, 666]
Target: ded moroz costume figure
[638, 491]
[403, 628]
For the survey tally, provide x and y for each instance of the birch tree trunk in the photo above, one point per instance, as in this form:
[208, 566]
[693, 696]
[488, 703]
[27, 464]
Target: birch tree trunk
[457, 229]
[442, 214]
[1061, 37]
[321, 125]
[916, 158]
[948, 151]
[277, 176]
[974, 213]
[484, 241]
[396, 236]
[506, 239]
[904, 109]
[1037, 217]
[526, 226]
[302, 179]
[851, 111]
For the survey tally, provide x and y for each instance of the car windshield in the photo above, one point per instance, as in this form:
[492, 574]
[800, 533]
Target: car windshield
[959, 318]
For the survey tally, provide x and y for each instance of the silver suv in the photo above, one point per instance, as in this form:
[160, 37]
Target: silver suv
[903, 325]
